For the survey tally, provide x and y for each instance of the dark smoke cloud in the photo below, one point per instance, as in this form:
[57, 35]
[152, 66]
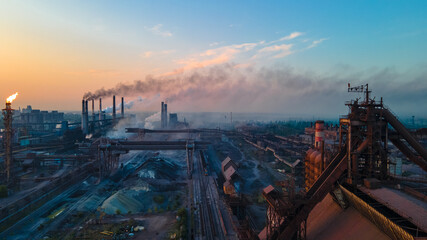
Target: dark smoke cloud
[227, 88]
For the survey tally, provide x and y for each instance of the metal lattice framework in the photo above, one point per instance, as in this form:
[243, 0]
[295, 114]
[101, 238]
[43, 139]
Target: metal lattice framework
[7, 117]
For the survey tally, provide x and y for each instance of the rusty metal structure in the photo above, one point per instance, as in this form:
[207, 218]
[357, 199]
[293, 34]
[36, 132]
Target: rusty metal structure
[363, 154]
[315, 160]
[107, 151]
[7, 118]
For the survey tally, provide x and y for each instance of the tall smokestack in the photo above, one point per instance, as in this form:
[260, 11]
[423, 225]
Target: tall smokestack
[93, 110]
[114, 107]
[162, 116]
[319, 135]
[86, 117]
[83, 114]
[123, 107]
[84, 129]
[100, 109]
[166, 115]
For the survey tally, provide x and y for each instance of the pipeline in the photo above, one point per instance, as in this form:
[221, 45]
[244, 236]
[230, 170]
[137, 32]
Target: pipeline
[291, 165]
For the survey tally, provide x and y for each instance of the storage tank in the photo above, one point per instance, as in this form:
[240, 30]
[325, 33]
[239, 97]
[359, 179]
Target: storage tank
[312, 168]
[317, 166]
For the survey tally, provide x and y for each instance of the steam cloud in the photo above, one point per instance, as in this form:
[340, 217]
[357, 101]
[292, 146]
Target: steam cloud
[229, 88]
[128, 105]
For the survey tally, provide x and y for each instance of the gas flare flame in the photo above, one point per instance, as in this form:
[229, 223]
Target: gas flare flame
[11, 98]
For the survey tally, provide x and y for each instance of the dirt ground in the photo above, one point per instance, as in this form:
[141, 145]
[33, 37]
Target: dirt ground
[156, 226]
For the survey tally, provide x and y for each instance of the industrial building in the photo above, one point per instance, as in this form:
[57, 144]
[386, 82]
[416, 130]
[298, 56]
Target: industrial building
[357, 175]
[232, 180]
[37, 120]
[244, 183]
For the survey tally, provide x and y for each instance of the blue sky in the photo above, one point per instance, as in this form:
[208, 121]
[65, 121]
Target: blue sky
[103, 43]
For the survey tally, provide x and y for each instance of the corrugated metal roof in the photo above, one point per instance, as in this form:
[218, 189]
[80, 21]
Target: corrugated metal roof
[226, 160]
[329, 221]
[407, 206]
[268, 189]
[229, 172]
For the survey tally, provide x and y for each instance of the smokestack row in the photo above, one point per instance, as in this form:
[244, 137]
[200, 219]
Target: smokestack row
[85, 112]
[164, 115]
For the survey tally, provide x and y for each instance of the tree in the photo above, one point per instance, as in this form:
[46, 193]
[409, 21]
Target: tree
[3, 191]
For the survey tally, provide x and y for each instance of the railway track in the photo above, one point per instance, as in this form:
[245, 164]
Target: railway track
[208, 220]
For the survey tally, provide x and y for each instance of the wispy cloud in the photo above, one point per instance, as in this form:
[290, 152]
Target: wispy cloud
[244, 54]
[317, 42]
[284, 50]
[287, 38]
[156, 29]
[215, 44]
[149, 54]
[213, 56]
[291, 36]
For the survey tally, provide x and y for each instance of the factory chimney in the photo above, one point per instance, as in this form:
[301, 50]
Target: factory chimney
[319, 135]
[123, 107]
[100, 109]
[83, 114]
[84, 128]
[93, 111]
[166, 115]
[162, 116]
[86, 116]
[114, 108]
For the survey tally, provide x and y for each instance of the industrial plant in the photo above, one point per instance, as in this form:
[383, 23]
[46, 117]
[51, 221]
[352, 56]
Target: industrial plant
[109, 174]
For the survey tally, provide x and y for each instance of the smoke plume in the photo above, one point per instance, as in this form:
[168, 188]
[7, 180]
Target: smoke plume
[128, 105]
[230, 88]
